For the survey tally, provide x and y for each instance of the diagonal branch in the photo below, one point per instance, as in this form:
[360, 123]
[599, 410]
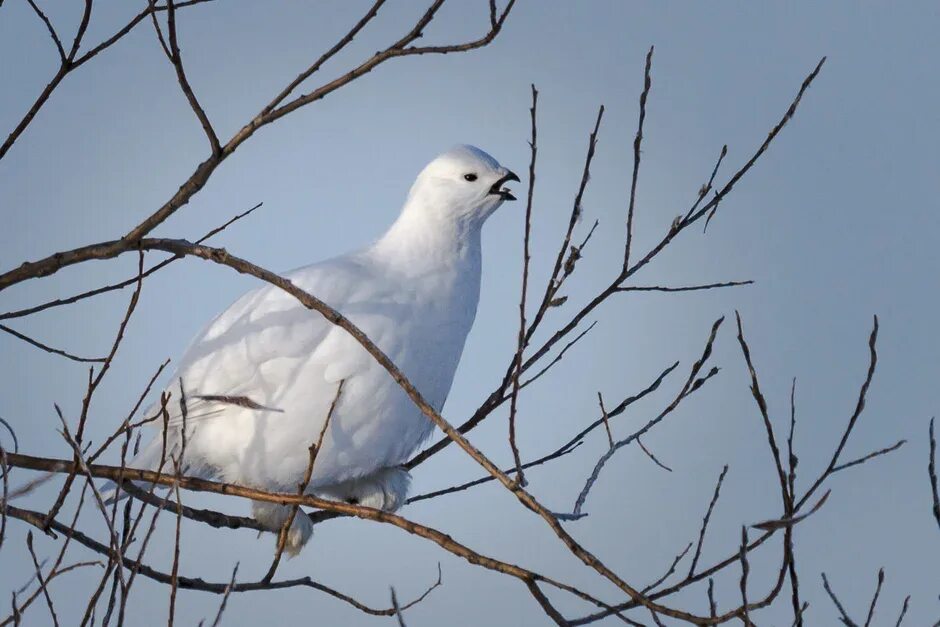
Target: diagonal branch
[49, 349]
[176, 59]
[50, 28]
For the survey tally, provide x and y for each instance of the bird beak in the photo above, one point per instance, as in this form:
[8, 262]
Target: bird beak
[498, 188]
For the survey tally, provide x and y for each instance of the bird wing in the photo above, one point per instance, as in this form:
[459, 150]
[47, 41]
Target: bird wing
[264, 354]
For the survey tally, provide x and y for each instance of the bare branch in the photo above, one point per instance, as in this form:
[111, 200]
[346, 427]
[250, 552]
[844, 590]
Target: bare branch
[225, 595]
[127, 282]
[558, 357]
[398, 616]
[707, 187]
[784, 523]
[555, 279]
[202, 485]
[16, 444]
[6, 493]
[670, 570]
[43, 583]
[497, 397]
[606, 418]
[712, 607]
[470, 484]
[94, 381]
[36, 519]
[768, 427]
[691, 385]
[17, 611]
[904, 606]
[688, 288]
[522, 340]
[50, 28]
[932, 472]
[848, 622]
[198, 179]
[71, 63]
[637, 142]
[874, 598]
[705, 519]
[177, 60]
[314, 450]
[862, 460]
[651, 456]
[712, 206]
[49, 349]
[745, 569]
[859, 407]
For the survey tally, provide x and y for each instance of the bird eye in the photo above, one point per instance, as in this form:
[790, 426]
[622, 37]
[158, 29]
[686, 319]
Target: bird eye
[470, 177]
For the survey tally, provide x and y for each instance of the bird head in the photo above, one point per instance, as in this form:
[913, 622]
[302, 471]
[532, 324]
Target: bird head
[463, 184]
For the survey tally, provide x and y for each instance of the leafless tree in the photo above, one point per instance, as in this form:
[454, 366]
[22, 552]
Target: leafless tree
[121, 542]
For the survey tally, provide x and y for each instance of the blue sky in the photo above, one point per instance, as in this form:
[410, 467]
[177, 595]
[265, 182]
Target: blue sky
[838, 222]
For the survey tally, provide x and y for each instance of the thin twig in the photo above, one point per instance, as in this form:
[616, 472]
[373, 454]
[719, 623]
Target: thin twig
[177, 60]
[862, 460]
[16, 443]
[127, 282]
[398, 616]
[314, 450]
[785, 523]
[225, 595]
[932, 472]
[693, 382]
[848, 622]
[558, 357]
[745, 569]
[707, 187]
[637, 142]
[712, 607]
[768, 427]
[705, 519]
[198, 179]
[650, 455]
[43, 583]
[470, 484]
[904, 606]
[72, 62]
[49, 349]
[670, 570]
[687, 288]
[178, 467]
[50, 28]
[606, 418]
[522, 340]
[874, 598]
[859, 407]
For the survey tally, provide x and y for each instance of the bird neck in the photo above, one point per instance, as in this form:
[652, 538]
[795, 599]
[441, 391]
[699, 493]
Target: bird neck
[423, 241]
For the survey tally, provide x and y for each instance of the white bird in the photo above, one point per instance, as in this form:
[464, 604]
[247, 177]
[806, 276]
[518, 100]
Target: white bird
[260, 379]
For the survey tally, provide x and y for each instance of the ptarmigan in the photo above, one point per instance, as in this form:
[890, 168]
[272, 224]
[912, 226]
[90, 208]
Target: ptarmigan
[259, 380]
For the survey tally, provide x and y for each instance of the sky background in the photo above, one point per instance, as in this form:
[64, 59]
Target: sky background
[838, 222]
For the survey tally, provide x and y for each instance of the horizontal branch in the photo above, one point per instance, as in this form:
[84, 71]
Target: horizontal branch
[37, 520]
[124, 474]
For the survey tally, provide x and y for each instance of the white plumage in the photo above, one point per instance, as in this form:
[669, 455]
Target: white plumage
[414, 292]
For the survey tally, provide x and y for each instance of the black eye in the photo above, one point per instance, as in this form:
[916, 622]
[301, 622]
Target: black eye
[470, 177]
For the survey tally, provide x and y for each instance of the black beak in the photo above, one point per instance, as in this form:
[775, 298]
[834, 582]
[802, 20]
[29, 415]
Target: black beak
[497, 187]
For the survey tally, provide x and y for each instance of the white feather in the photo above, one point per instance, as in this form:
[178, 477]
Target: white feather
[414, 293]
